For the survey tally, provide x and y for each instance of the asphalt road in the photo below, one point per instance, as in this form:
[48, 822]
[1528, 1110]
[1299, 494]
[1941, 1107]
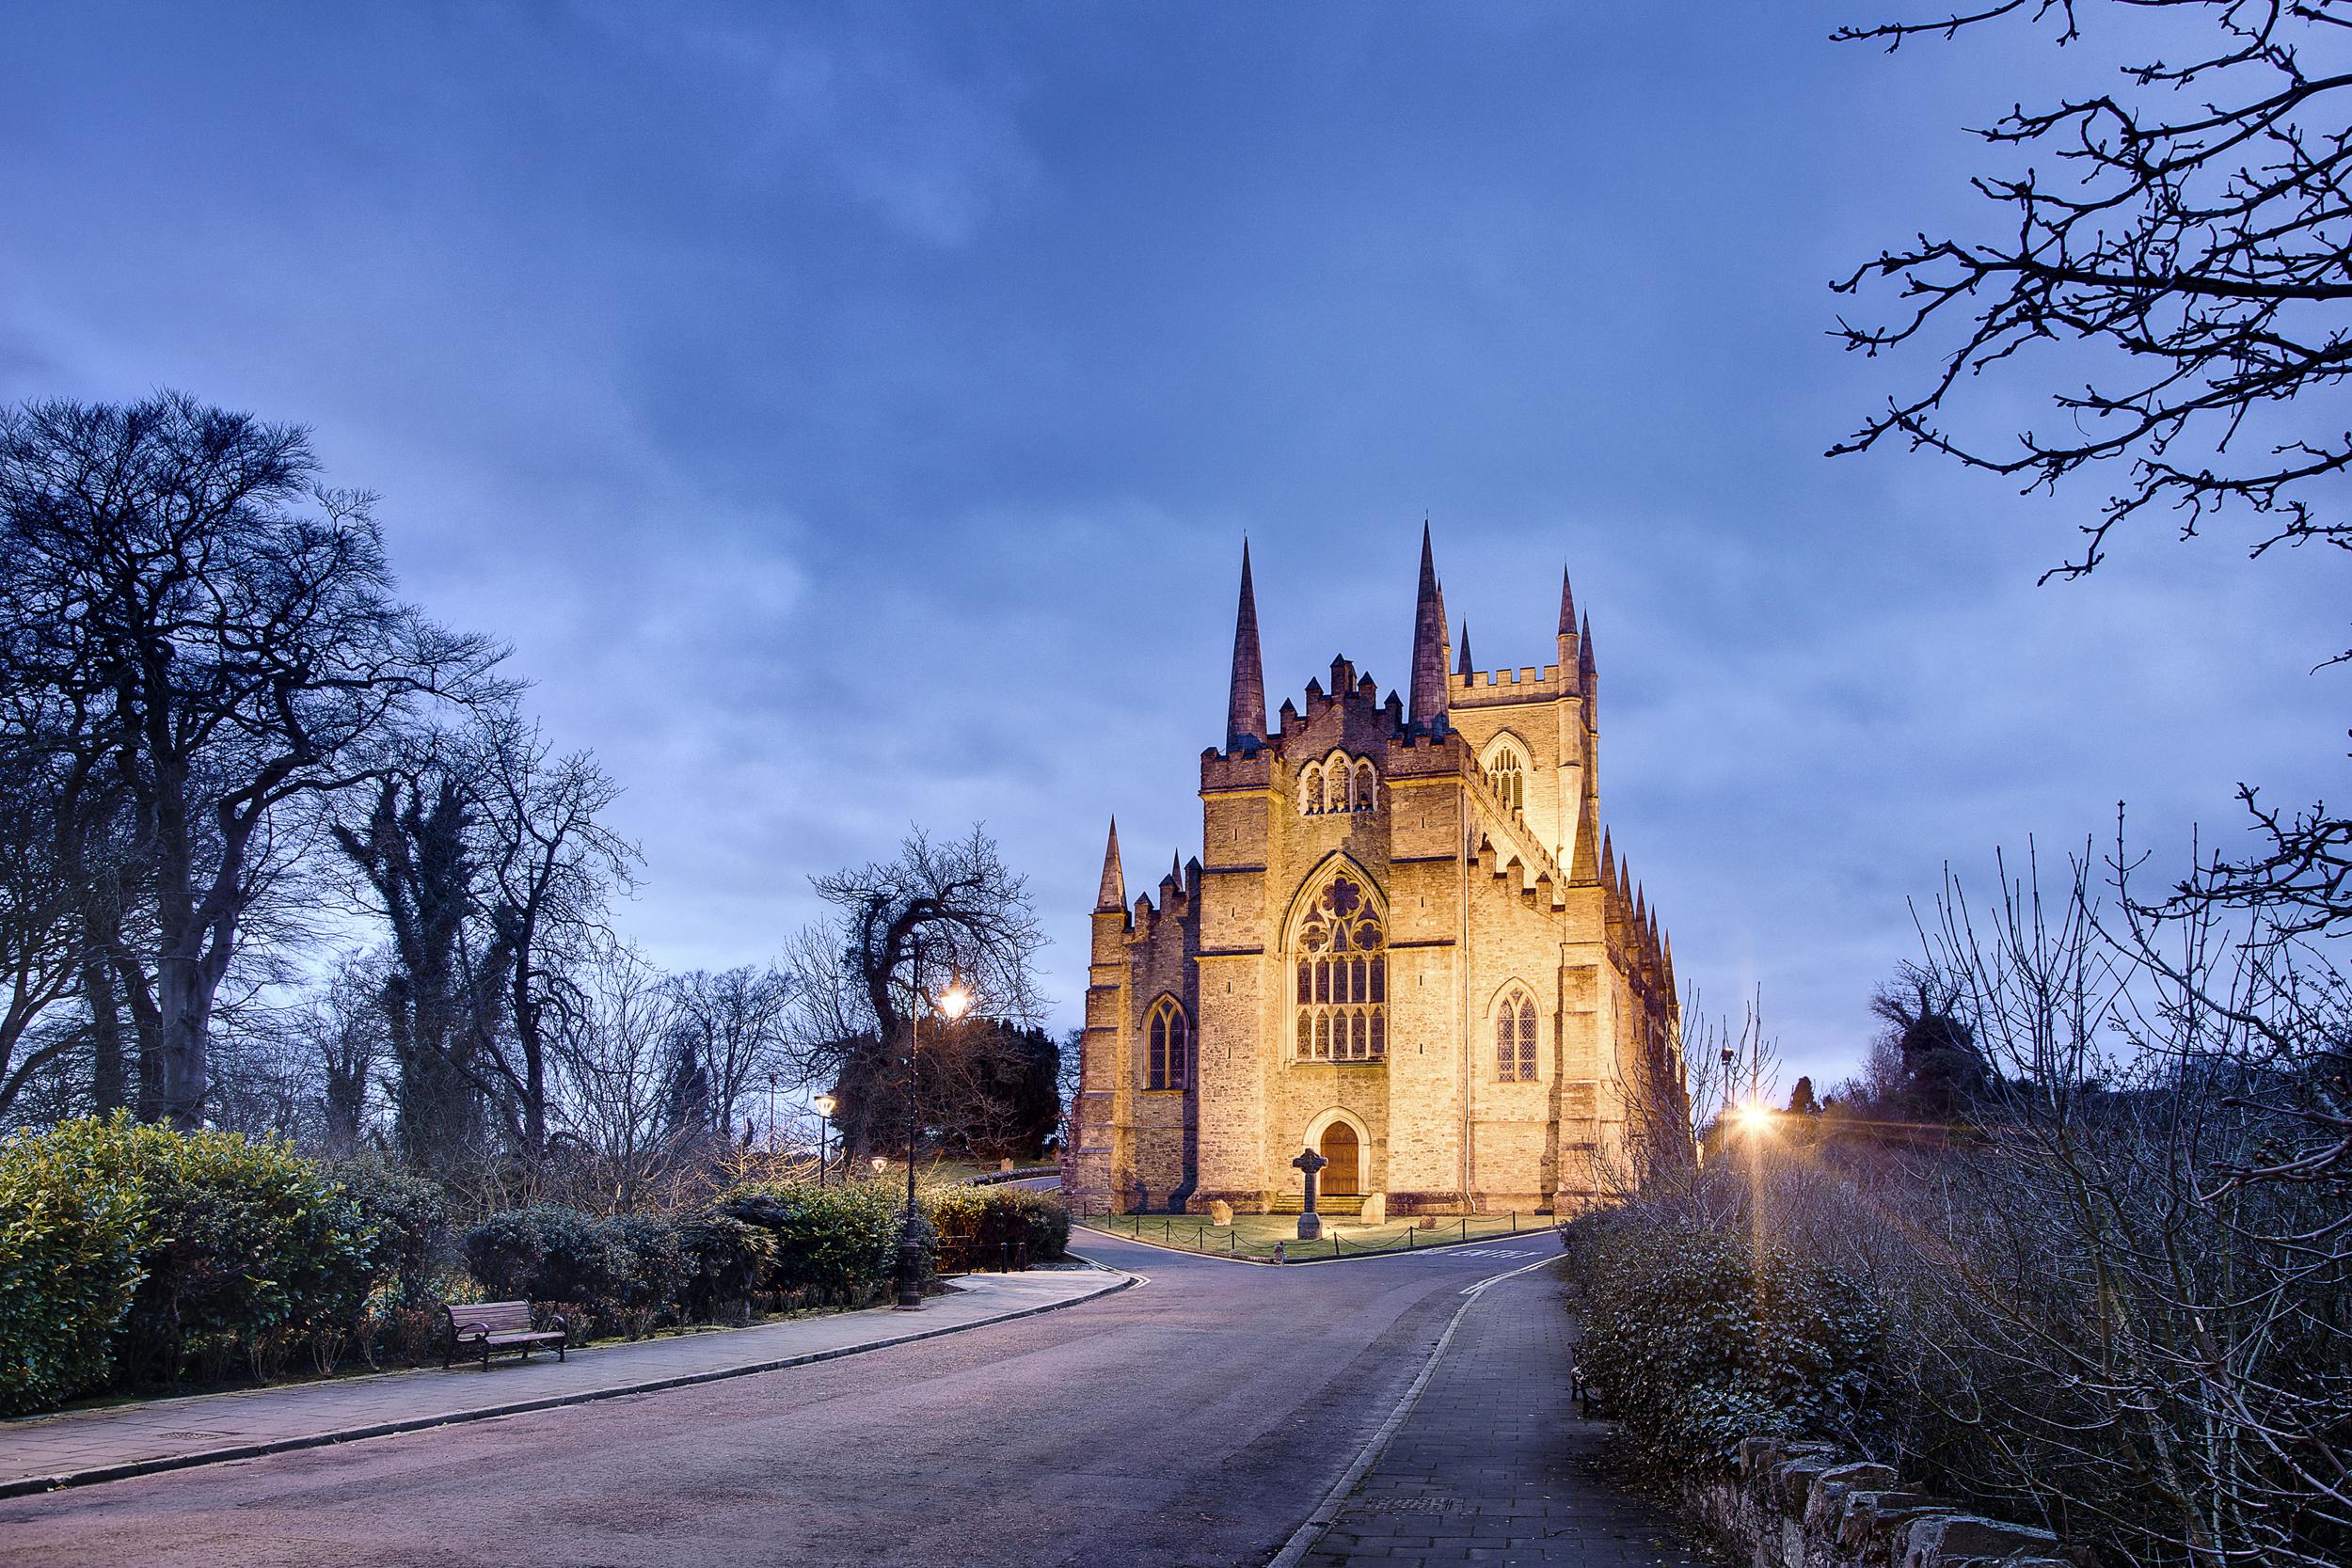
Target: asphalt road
[1194, 1419]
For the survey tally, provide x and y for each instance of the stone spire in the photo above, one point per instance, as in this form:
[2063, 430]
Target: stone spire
[1466, 667]
[1425, 698]
[1568, 605]
[1445, 622]
[1587, 678]
[1244, 707]
[1112, 898]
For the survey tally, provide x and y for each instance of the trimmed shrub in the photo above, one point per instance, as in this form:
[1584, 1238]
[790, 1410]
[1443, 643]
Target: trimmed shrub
[976, 1225]
[621, 1275]
[723, 1261]
[834, 1245]
[553, 1256]
[413, 1249]
[1700, 1338]
[648, 1295]
[249, 1248]
[235, 1250]
[71, 1223]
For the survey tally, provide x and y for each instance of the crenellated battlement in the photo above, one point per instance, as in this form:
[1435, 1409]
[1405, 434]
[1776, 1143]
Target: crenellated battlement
[1495, 688]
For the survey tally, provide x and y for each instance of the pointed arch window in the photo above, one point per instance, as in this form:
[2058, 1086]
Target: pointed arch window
[1507, 778]
[1342, 995]
[1515, 1039]
[1168, 1046]
[1338, 785]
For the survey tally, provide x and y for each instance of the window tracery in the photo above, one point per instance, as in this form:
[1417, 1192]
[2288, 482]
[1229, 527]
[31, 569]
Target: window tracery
[1339, 784]
[1515, 1039]
[1341, 973]
[1506, 777]
[1169, 1047]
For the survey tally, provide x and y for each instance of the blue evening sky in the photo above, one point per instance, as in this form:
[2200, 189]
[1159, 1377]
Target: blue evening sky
[851, 414]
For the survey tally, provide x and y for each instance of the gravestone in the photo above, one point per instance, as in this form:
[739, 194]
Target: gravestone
[1375, 1208]
[1221, 1211]
[1309, 1223]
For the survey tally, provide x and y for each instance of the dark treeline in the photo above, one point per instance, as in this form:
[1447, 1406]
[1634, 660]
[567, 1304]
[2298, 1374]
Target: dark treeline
[280, 853]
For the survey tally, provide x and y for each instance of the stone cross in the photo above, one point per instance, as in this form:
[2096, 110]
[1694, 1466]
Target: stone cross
[1309, 1223]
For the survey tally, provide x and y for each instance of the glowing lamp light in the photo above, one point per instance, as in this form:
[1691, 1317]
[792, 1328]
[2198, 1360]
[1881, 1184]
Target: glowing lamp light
[1754, 1120]
[878, 1163]
[956, 1003]
[825, 1104]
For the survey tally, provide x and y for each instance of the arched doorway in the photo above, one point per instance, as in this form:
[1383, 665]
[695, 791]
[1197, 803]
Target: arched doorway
[1340, 1150]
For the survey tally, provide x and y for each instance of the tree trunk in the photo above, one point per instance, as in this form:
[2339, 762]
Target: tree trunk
[147, 1020]
[347, 1101]
[185, 1001]
[110, 1086]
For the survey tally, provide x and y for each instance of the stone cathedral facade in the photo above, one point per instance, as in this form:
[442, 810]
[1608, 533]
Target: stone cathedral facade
[1407, 943]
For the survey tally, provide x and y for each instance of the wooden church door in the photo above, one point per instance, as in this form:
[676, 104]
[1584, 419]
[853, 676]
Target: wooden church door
[1339, 1147]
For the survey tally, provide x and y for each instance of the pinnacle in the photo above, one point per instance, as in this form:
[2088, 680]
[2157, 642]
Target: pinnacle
[1568, 605]
[1465, 666]
[1245, 704]
[1113, 894]
[1426, 698]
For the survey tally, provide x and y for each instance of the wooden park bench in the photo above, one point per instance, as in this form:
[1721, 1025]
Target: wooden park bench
[492, 1326]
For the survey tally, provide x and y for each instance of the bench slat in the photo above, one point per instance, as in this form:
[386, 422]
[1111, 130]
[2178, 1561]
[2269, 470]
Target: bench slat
[477, 1328]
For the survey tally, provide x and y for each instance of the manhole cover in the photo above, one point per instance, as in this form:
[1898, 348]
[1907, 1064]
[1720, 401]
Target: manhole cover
[1412, 1505]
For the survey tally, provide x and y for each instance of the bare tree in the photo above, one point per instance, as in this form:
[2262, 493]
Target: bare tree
[953, 910]
[2141, 1264]
[232, 629]
[552, 865]
[417, 847]
[42, 952]
[731, 1033]
[2179, 269]
[344, 1029]
[612, 1025]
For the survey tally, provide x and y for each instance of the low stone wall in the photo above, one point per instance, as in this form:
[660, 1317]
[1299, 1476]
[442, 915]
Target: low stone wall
[1806, 1505]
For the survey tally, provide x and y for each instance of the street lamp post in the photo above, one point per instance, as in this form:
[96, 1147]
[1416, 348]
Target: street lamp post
[951, 1005]
[825, 1104]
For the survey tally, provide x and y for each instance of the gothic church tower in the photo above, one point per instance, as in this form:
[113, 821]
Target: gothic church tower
[1406, 943]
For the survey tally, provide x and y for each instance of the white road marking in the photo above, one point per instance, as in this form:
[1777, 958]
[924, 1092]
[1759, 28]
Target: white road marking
[1495, 1278]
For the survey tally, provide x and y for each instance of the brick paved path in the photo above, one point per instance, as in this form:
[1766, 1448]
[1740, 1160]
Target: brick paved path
[44, 1451]
[1492, 1465]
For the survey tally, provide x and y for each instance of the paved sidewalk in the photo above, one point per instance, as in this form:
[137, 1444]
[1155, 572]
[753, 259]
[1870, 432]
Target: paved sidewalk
[40, 1453]
[1493, 1465]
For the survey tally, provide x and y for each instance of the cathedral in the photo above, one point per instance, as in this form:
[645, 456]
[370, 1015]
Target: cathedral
[1406, 944]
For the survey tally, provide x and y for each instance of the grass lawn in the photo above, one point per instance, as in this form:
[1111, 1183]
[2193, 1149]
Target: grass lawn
[1255, 1235]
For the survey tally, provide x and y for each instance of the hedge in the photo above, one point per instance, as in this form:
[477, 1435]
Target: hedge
[134, 1254]
[128, 1251]
[975, 1224]
[836, 1247]
[792, 1244]
[1700, 1336]
[72, 1224]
